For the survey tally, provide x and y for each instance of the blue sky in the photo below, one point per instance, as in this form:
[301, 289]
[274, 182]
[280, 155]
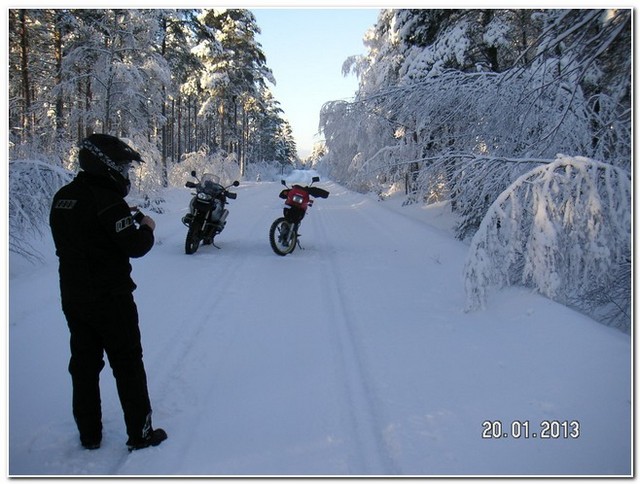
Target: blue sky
[305, 49]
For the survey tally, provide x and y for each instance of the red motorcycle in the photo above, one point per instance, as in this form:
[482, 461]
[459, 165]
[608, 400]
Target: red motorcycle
[283, 234]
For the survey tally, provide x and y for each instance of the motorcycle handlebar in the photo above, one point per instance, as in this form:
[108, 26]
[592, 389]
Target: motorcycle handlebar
[190, 184]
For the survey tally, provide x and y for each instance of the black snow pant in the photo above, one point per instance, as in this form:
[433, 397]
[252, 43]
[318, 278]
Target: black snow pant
[109, 325]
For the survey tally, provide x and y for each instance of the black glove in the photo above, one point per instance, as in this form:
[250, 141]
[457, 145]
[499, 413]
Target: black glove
[138, 216]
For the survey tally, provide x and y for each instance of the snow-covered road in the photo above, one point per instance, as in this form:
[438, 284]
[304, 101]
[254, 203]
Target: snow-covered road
[350, 357]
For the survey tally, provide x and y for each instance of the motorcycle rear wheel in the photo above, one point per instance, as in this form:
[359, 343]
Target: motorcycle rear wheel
[192, 242]
[283, 236]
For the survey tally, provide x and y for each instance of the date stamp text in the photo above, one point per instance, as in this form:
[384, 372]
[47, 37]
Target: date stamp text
[524, 429]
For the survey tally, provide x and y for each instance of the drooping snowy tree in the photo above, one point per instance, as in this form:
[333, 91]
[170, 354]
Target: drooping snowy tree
[30, 185]
[446, 93]
[465, 105]
[563, 229]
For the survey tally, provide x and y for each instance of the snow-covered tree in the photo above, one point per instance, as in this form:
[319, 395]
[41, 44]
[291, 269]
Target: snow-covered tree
[37, 113]
[564, 229]
[271, 135]
[114, 61]
[204, 161]
[145, 75]
[155, 72]
[32, 185]
[234, 77]
[318, 150]
[470, 106]
[456, 104]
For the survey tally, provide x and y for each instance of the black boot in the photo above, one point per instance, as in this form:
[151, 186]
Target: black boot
[154, 438]
[90, 444]
[91, 440]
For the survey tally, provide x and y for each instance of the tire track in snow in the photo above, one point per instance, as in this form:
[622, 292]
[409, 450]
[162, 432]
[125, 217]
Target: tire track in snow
[213, 283]
[198, 312]
[207, 343]
[214, 349]
[200, 335]
[175, 390]
[375, 458]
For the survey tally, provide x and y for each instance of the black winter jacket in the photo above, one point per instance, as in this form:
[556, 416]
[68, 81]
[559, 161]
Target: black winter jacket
[95, 235]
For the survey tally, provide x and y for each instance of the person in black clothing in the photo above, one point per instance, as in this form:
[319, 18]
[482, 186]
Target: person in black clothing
[95, 234]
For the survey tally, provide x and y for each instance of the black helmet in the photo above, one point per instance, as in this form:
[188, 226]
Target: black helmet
[108, 156]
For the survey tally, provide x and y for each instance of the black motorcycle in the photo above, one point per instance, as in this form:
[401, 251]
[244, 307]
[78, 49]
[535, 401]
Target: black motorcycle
[283, 234]
[207, 215]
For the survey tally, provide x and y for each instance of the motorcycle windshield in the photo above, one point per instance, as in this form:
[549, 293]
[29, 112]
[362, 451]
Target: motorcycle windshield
[210, 177]
[210, 184]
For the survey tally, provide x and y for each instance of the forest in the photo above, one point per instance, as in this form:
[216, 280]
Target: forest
[519, 119]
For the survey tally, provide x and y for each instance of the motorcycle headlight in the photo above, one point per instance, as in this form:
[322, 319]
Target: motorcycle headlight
[297, 199]
[204, 197]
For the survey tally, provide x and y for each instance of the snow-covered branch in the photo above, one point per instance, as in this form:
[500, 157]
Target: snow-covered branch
[32, 185]
[563, 229]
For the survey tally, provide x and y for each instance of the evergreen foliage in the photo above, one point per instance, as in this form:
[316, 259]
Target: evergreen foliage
[180, 79]
[175, 84]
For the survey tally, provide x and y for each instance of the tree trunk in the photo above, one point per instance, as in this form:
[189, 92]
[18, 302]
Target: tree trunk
[26, 85]
[165, 175]
[60, 125]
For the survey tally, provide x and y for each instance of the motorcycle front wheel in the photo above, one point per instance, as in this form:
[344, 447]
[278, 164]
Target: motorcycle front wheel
[192, 242]
[283, 236]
